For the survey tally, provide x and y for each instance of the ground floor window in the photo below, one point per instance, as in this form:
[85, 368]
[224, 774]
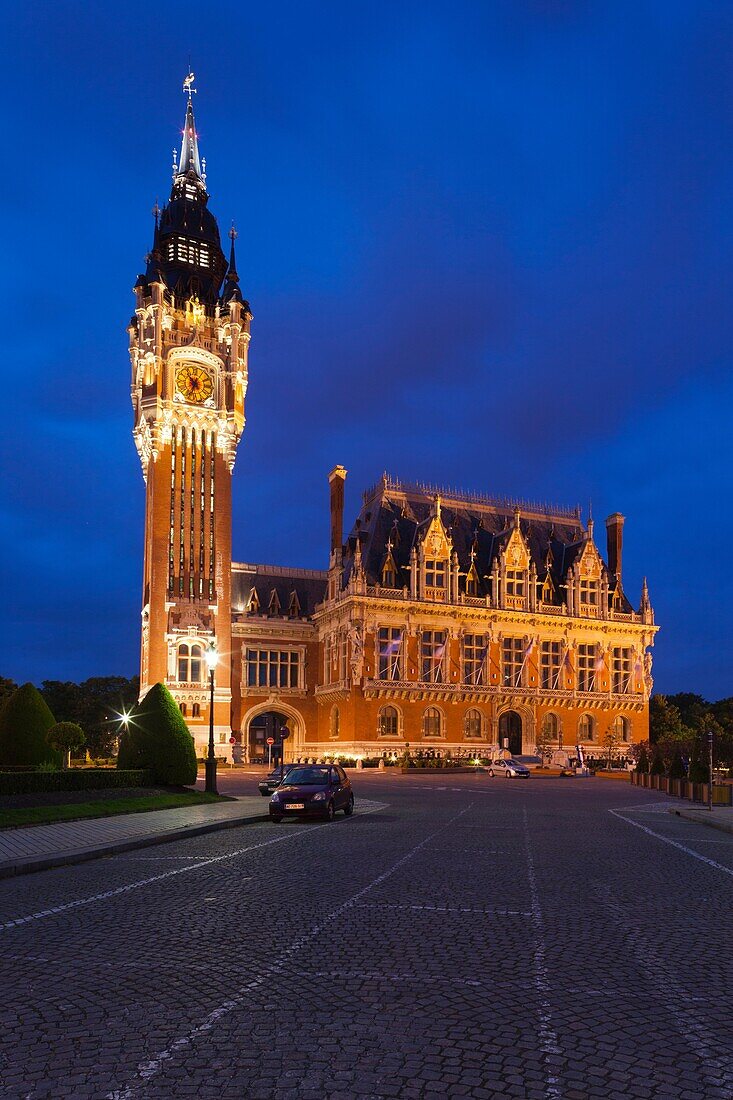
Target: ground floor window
[389, 722]
[432, 723]
[335, 722]
[550, 727]
[586, 728]
[473, 724]
[622, 728]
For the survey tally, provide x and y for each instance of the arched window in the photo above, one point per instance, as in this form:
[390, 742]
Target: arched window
[183, 709]
[389, 722]
[335, 722]
[432, 723]
[472, 724]
[586, 728]
[190, 663]
[550, 726]
[622, 727]
[196, 710]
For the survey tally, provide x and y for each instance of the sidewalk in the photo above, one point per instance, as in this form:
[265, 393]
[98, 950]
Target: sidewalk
[720, 817]
[37, 847]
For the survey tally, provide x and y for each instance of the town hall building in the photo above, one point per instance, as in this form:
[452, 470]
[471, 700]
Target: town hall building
[446, 620]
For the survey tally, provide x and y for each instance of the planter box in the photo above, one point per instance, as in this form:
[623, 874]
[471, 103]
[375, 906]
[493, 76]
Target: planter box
[442, 771]
[722, 794]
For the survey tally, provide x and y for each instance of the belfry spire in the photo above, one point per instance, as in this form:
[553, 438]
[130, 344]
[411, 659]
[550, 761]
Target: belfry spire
[189, 165]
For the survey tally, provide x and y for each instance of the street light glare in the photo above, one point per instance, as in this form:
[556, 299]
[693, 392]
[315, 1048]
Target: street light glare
[212, 658]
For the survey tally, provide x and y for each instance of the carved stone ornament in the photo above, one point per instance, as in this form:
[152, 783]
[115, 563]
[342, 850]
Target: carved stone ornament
[356, 639]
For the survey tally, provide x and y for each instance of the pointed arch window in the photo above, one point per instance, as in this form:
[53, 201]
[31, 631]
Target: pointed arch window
[473, 724]
[274, 604]
[432, 723]
[388, 724]
[254, 602]
[622, 728]
[586, 728]
[294, 605]
[551, 727]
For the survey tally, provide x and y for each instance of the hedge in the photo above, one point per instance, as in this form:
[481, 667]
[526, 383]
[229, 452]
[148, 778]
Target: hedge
[83, 779]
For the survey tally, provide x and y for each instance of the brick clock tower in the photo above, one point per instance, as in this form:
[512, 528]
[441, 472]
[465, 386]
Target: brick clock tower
[189, 340]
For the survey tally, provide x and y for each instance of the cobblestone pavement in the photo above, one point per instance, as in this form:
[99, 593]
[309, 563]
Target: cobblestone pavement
[470, 938]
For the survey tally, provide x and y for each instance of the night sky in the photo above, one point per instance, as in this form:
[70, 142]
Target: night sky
[486, 244]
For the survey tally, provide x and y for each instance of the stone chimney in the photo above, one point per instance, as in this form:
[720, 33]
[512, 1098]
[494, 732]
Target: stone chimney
[336, 480]
[615, 542]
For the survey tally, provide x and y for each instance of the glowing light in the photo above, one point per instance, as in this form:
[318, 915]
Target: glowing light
[212, 657]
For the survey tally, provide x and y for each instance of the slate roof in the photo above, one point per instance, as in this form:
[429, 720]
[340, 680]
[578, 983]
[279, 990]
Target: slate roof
[308, 584]
[401, 513]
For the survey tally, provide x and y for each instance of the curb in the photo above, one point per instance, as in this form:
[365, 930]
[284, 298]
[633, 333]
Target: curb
[701, 818]
[28, 865]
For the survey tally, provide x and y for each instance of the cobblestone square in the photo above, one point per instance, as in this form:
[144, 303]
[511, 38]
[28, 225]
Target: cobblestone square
[468, 937]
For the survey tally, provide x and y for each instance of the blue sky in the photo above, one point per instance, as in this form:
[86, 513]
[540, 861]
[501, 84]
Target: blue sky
[486, 244]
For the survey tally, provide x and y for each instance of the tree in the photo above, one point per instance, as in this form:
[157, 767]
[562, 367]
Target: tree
[158, 738]
[611, 739]
[25, 720]
[544, 743]
[676, 767]
[95, 705]
[66, 737]
[657, 764]
[642, 763]
[665, 721]
[7, 687]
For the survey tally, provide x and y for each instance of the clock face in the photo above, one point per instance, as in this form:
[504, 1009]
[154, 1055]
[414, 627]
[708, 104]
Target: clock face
[194, 383]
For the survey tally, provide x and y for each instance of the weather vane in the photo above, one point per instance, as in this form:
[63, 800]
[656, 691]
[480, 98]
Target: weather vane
[188, 87]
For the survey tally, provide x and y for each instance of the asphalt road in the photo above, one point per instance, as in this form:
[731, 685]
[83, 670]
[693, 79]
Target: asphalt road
[464, 937]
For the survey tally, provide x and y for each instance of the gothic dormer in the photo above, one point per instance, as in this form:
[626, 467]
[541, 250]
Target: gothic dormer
[589, 578]
[434, 555]
[514, 568]
[389, 568]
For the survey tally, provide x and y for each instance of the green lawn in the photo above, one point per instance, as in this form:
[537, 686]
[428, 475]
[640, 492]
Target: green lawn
[73, 811]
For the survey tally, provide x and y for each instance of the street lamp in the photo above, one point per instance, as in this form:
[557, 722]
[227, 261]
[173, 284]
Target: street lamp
[212, 658]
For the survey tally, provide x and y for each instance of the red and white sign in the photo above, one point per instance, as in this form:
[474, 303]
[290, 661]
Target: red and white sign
[270, 740]
[232, 740]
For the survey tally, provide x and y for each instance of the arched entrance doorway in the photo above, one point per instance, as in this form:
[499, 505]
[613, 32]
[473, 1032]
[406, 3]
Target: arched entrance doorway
[510, 730]
[261, 727]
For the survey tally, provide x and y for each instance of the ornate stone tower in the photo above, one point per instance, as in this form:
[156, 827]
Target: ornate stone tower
[189, 339]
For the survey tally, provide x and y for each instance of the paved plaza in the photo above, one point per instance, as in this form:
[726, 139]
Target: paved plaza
[462, 937]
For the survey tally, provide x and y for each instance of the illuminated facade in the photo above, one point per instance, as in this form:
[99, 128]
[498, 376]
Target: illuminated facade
[444, 620]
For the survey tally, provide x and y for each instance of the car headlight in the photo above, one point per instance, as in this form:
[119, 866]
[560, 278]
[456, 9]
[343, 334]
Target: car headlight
[275, 797]
[319, 797]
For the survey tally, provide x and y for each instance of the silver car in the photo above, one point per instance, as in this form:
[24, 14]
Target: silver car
[510, 769]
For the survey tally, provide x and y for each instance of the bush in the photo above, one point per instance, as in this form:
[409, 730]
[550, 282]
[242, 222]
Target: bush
[87, 779]
[24, 722]
[676, 767]
[657, 767]
[158, 739]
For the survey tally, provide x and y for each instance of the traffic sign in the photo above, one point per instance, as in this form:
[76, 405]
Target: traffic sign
[284, 733]
[232, 740]
[270, 740]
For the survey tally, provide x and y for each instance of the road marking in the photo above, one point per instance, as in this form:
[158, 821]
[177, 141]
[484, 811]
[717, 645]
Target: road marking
[138, 884]
[549, 1043]
[674, 843]
[151, 1068]
[450, 909]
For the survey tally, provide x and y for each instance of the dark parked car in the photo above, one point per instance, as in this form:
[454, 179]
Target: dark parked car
[268, 785]
[321, 789]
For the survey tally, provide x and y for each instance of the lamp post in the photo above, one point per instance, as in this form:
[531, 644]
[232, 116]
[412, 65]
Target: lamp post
[212, 658]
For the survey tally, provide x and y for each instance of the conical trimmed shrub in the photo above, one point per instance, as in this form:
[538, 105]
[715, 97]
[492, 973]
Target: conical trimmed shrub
[24, 722]
[158, 739]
